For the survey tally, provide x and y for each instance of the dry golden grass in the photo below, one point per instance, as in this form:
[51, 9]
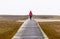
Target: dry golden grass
[52, 29]
[8, 29]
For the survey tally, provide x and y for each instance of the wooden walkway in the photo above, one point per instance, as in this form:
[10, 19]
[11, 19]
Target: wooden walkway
[29, 30]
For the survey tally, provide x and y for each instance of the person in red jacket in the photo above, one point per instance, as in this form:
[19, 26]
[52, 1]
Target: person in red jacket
[30, 14]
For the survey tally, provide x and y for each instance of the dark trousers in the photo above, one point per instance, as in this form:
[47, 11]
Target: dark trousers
[30, 17]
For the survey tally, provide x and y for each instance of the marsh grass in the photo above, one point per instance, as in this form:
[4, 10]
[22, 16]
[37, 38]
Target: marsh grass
[8, 29]
[52, 29]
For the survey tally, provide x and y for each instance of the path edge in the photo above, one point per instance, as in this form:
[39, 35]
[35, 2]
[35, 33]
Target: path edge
[45, 36]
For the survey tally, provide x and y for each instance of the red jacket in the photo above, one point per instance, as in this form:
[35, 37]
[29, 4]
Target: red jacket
[30, 14]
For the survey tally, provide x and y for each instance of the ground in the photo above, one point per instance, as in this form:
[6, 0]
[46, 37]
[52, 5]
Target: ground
[9, 28]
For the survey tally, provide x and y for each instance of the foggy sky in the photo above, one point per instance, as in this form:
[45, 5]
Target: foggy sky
[22, 7]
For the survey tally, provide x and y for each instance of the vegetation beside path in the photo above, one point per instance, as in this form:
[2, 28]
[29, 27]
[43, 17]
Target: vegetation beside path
[8, 29]
[52, 29]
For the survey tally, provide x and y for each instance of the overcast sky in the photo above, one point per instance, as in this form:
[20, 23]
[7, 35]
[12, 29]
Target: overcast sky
[22, 7]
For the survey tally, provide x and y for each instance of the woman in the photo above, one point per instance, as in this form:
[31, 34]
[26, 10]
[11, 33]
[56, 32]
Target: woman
[30, 14]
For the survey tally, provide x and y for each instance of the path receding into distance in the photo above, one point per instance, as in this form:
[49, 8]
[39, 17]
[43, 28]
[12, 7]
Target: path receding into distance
[29, 30]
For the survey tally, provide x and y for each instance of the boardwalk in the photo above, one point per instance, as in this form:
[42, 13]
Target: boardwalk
[29, 30]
